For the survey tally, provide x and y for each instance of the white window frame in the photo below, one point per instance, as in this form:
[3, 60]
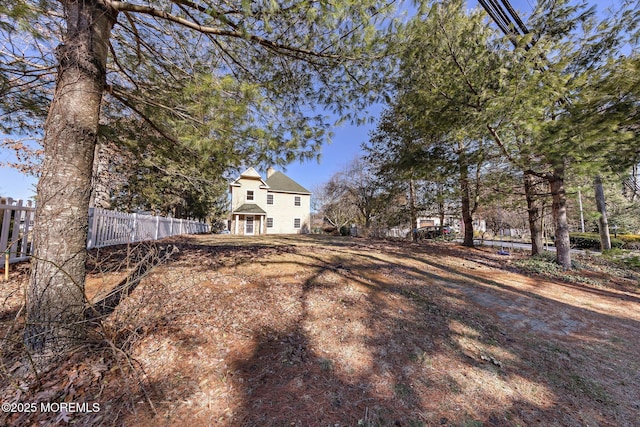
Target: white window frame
[270, 199]
[269, 222]
[253, 196]
[297, 223]
[297, 201]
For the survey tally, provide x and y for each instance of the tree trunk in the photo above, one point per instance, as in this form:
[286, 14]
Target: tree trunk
[102, 180]
[465, 202]
[441, 214]
[55, 297]
[412, 212]
[603, 224]
[559, 208]
[535, 215]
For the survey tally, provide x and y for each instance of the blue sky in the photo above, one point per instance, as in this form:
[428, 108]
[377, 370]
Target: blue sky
[13, 183]
[346, 145]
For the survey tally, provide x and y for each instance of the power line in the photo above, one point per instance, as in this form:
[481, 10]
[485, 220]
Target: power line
[502, 24]
[515, 15]
[503, 16]
[512, 26]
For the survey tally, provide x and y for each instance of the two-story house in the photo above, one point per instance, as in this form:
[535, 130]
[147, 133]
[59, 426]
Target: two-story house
[276, 205]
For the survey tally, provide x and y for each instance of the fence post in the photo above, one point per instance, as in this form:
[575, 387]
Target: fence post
[6, 224]
[24, 248]
[17, 213]
[134, 228]
[90, 232]
[157, 227]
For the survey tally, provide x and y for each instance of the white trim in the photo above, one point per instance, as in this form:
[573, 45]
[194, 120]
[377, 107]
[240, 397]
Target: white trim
[290, 192]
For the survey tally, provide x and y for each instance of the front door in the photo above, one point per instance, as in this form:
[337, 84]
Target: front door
[248, 225]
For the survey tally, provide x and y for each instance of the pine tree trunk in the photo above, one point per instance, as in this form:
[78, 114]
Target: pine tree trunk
[603, 223]
[535, 216]
[102, 181]
[55, 296]
[412, 212]
[559, 208]
[465, 202]
[441, 217]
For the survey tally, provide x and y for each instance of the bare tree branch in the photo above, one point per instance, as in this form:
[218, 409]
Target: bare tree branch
[236, 33]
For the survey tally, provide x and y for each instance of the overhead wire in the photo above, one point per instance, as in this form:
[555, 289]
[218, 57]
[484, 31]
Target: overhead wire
[515, 16]
[502, 24]
[512, 26]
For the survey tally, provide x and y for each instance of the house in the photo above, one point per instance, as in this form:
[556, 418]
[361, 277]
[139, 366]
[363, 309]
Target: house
[275, 205]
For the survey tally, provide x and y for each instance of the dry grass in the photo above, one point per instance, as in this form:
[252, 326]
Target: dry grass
[313, 331]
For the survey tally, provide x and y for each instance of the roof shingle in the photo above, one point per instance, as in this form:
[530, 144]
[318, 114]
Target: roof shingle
[280, 182]
[249, 208]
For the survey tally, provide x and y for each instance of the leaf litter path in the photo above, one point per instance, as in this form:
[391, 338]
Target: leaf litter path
[319, 331]
[313, 331]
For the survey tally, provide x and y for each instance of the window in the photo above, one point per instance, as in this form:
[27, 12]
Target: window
[249, 195]
[269, 199]
[296, 223]
[296, 201]
[269, 222]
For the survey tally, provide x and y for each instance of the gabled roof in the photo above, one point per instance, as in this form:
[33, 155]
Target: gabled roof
[249, 208]
[282, 183]
[250, 173]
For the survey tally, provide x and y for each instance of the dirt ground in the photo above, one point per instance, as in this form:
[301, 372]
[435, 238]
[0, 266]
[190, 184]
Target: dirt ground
[328, 331]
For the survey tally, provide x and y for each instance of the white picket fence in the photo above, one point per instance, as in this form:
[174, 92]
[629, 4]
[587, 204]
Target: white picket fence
[106, 228]
[16, 220]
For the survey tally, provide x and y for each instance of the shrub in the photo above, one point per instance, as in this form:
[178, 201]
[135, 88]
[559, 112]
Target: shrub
[631, 241]
[591, 241]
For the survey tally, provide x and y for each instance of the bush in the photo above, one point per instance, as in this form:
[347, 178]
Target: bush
[631, 241]
[330, 229]
[591, 241]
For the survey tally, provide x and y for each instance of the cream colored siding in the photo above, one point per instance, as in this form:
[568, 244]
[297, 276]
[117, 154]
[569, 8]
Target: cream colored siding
[284, 212]
[289, 201]
[239, 194]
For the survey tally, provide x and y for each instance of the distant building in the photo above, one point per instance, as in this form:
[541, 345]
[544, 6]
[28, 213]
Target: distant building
[277, 205]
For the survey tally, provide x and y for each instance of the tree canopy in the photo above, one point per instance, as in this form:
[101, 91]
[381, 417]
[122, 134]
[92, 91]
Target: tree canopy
[554, 105]
[228, 81]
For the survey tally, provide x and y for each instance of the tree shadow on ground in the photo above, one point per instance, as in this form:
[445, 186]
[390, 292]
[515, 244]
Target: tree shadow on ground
[423, 343]
[372, 334]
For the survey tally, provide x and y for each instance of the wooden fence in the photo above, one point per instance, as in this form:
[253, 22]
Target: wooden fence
[106, 228]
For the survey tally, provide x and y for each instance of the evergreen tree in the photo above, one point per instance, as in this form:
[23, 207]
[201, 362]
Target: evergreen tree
[297, 55]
